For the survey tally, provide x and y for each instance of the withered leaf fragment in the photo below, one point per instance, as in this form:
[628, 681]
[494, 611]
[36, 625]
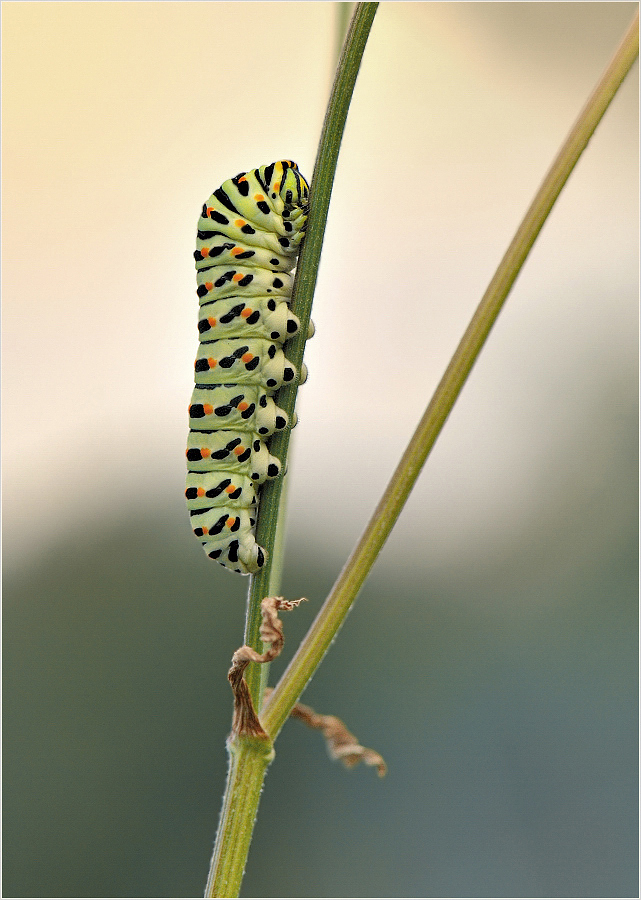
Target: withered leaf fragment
[341, 743]
[245, 721]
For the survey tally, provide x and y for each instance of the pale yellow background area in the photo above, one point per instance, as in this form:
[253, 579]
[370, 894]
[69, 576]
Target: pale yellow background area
[121, 118]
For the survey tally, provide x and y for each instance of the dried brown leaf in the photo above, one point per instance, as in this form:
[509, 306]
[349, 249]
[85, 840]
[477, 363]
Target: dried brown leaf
[341, 743]
[245, 720]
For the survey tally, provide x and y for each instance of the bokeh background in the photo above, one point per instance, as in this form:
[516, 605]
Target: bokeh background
[491, 656]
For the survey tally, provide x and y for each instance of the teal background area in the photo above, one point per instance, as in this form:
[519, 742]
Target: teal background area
[501, 693]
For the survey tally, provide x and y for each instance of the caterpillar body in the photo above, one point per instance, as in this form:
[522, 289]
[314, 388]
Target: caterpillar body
[249, 236]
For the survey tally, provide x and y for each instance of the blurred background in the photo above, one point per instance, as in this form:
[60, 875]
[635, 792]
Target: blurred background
[491, 657]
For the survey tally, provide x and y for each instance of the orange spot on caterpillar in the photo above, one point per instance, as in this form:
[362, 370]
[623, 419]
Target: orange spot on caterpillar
[205, 452]
[277, 186]
[243, 406]
[212, 363]
[212, 323]
[238, 276]
[239, 451]
[236, 251]
[201, 492]
[208, 409]
[230, 489]
[259, 198]
[230, 522]
[247, 357]
[209, 285]
[242, 178]
[246, 313]
[209, 209]
[204, 251]
[205, 530]
[239, 223]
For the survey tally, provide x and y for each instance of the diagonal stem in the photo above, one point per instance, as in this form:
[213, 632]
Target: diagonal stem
[350, 580]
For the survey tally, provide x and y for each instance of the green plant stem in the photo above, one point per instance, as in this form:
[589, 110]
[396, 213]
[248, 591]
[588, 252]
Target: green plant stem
[262, 585]
[343, 14]
[249, 758]
[350, 580]
[248, 761]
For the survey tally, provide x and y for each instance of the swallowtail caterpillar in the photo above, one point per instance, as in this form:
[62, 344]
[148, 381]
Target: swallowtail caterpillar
[249, 236]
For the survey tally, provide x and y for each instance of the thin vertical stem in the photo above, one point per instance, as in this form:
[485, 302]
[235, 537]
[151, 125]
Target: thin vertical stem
[249, 757]
[261, 584]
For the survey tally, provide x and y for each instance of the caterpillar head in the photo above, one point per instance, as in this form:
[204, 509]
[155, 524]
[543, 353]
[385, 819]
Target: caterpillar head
[294, 190]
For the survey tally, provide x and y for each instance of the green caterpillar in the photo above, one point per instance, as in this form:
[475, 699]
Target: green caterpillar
[249, 236]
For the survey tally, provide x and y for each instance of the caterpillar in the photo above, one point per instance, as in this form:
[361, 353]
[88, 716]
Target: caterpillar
[249, 236]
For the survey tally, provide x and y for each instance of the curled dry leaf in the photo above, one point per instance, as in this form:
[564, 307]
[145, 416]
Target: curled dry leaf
[245, 721]
[341, 743]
